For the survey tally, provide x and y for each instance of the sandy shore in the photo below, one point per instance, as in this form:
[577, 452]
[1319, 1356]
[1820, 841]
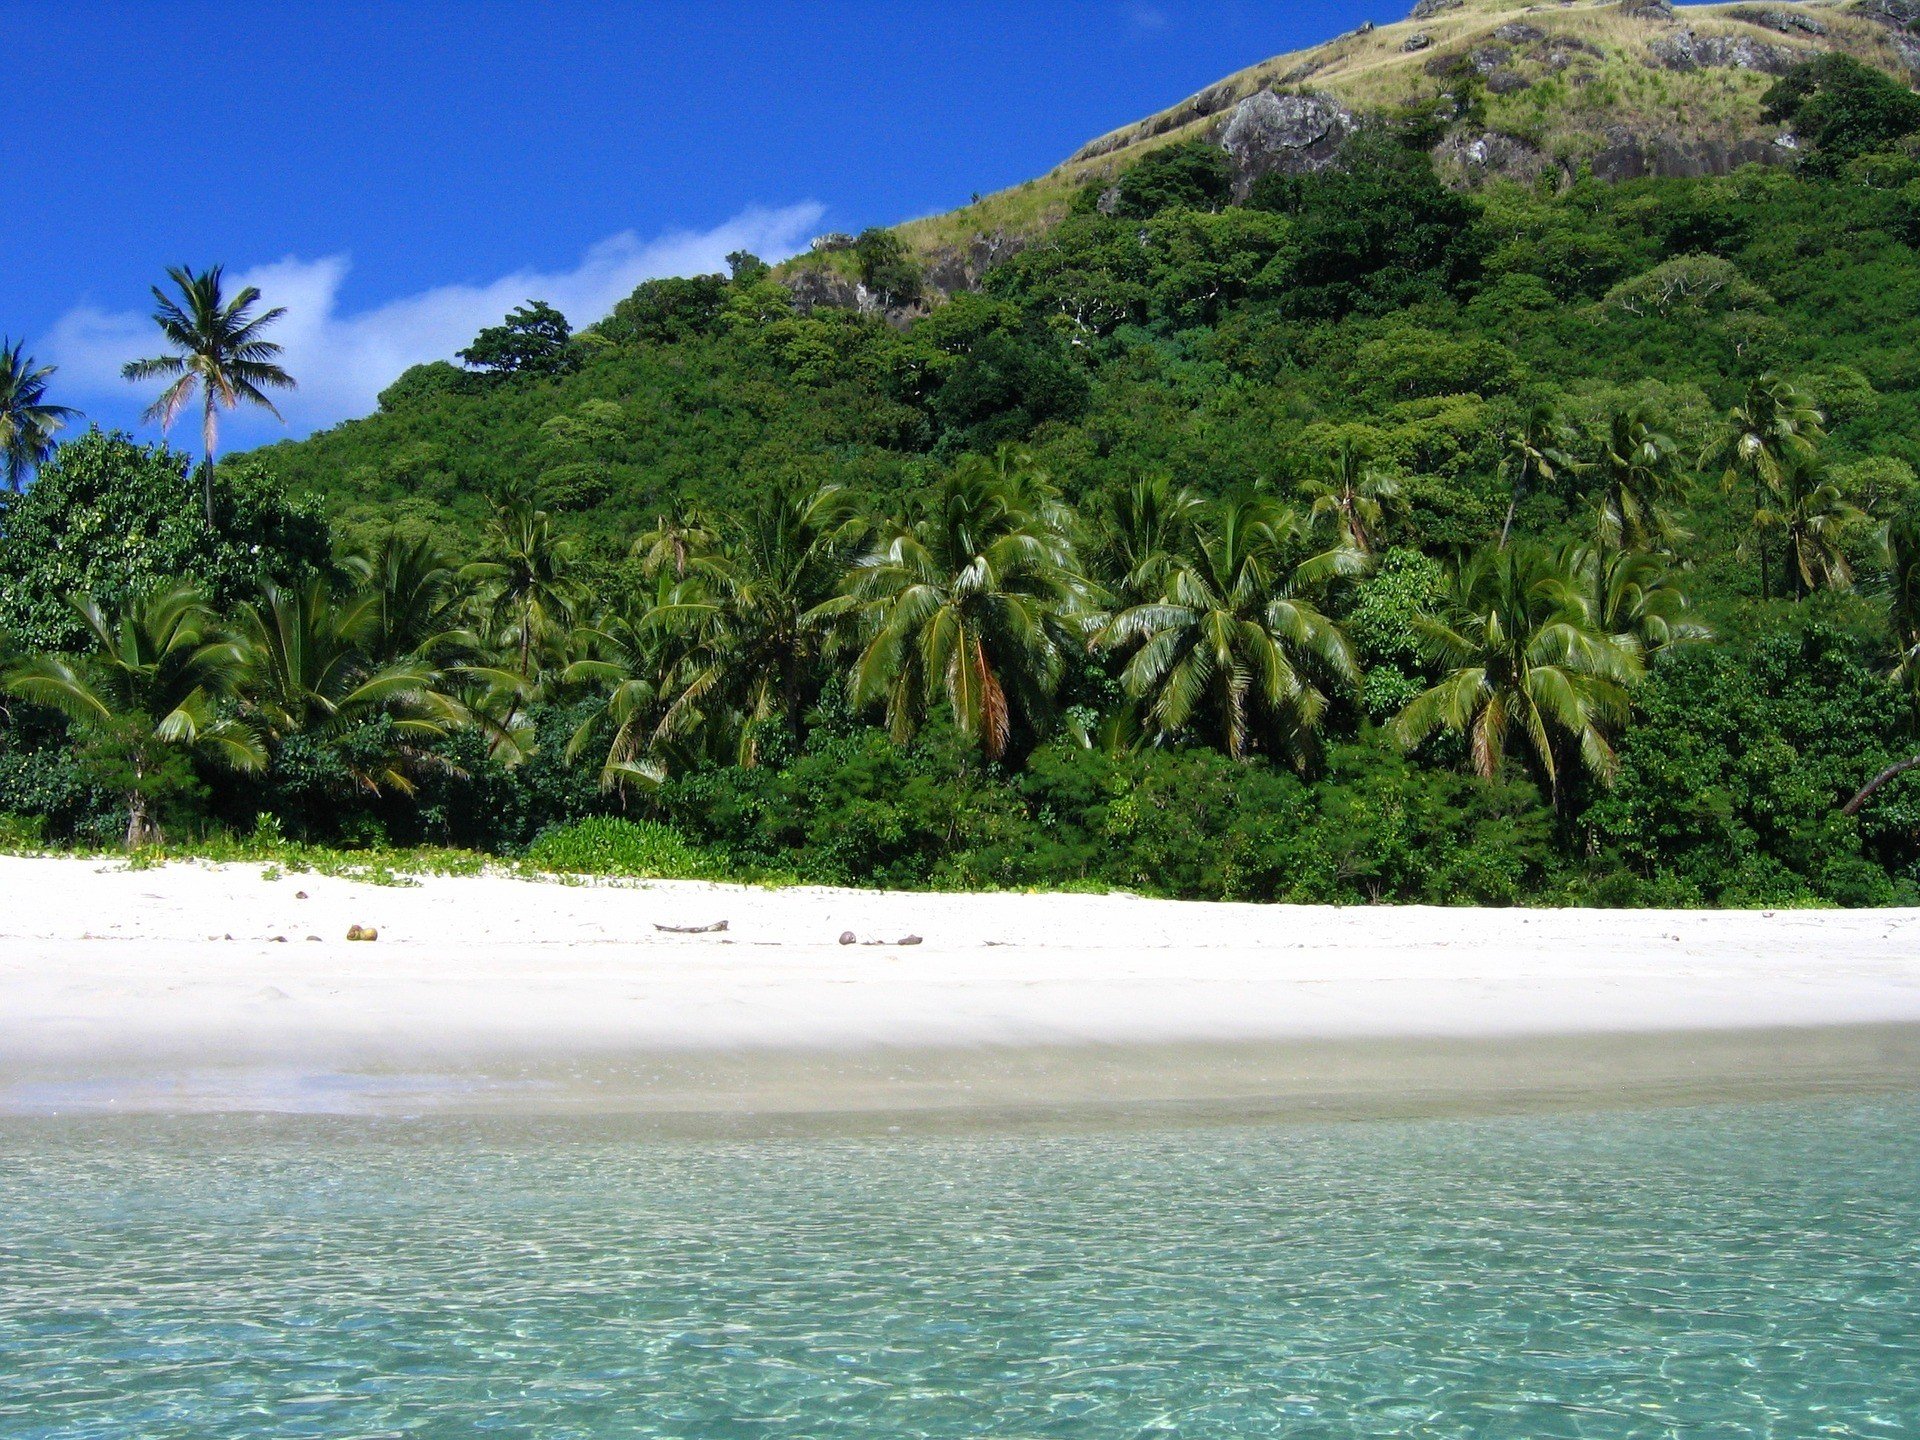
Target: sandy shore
[201, 987]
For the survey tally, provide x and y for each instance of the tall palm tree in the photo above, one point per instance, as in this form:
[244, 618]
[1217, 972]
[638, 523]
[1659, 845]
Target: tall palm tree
[1637, 475]
[1813, 520]
[760, 646]
[1537, 455]
[1524, 665]
[1353, 496]
[27, 420]
[979, 601]
[309, 673]
[218, 353]
[1231, 645]
[524, 576]
[417, 601]
[676, 537]
[1772, 429]
[151, 688]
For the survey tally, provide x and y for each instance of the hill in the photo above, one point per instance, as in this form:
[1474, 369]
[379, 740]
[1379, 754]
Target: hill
[1344, 529]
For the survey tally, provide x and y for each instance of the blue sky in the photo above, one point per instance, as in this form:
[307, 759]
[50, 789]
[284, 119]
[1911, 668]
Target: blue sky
[399, 174]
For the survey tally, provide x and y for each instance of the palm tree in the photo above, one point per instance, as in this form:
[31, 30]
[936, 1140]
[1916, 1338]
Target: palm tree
[1636, 470]
[1525, 664]
[150, 690]
[1353, 496]
[979, 600]
[1634, 596]
[1140, 532]
[675, 538]
[1773, 429]
[639, 660]
[524, 577]
[218, 353]
[309, 673]
[1537, 454]
[27, 421]
[418, 603]
[1231, 645]
[1813, 519]
[760, 649]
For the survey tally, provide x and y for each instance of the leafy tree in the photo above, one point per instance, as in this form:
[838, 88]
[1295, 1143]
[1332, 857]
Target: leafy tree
[534, 339]
[219, 352]
[1841, 108]
[1189, 175]
[148, 697]
[1231, 648]
[1523, 664]
[111, 519]
[28, 420]
[977, 601]
[886, 268]
[667, 311]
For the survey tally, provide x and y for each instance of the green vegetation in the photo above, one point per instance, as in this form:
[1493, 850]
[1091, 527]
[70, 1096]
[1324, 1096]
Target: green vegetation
[1364, 541]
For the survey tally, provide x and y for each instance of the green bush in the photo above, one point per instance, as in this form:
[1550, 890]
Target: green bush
[609, 845]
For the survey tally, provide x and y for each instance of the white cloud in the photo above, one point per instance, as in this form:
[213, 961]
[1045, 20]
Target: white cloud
[343, 361]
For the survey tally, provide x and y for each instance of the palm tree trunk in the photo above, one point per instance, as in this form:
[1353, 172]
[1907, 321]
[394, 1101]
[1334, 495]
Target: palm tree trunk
[142, 830]
[1505, 529]
[206, 475]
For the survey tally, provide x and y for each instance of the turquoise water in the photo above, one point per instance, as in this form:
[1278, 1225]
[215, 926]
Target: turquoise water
[1750, 1272]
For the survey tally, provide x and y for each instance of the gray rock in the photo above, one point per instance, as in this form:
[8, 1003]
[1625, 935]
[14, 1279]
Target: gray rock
[1787, 22]
[1901, 14]
[1486, 59]
[1647, 9]
[1515, 33]
[1419, 41]
[1688, 51]
[1508, 82]
[1491, 156]
[1632, 155]
[1427, 9]
[1283, 134]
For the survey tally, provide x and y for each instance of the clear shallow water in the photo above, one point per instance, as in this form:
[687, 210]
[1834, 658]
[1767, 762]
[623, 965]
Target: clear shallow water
[1714, 1272]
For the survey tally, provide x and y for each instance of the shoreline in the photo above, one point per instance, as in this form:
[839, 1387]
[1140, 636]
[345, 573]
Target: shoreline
[194, 988]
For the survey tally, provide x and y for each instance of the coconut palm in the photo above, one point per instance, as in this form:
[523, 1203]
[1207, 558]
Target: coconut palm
[1772, 430]
[417, 602]
[1232, 647]
[759, 649]
[1139, 532]
[309, 673]
[1524, 665]
[525, 584]
[27, 420]
[219, 354]
[637, 656]
[1635, 468]
[1537, 455]
[676, 537]
[1808, 514]
[1635, 596]
[150, 691]
[979, 601]
[1352, 496]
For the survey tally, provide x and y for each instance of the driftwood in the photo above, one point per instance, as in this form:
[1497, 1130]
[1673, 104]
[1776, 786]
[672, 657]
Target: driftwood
[904, 940]
[713, 929]
[1892, 772]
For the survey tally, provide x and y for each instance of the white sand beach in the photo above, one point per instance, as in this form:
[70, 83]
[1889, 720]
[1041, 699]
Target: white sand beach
[219, 987]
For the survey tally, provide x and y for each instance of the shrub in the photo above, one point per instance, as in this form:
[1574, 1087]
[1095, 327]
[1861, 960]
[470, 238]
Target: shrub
[609, 845]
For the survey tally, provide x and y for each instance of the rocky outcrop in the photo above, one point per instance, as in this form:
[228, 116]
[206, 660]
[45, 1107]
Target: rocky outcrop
[1786, 22]
[1515, 33]
[1632, 155]
[1427, 9]
[1490, 156]
[817, 287]
[1271, 134]
[1647, 9]
[1688, 51]
[952, 269]
[1419, 40]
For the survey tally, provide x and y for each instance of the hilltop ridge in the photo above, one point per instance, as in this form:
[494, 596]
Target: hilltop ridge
[1623, 89]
